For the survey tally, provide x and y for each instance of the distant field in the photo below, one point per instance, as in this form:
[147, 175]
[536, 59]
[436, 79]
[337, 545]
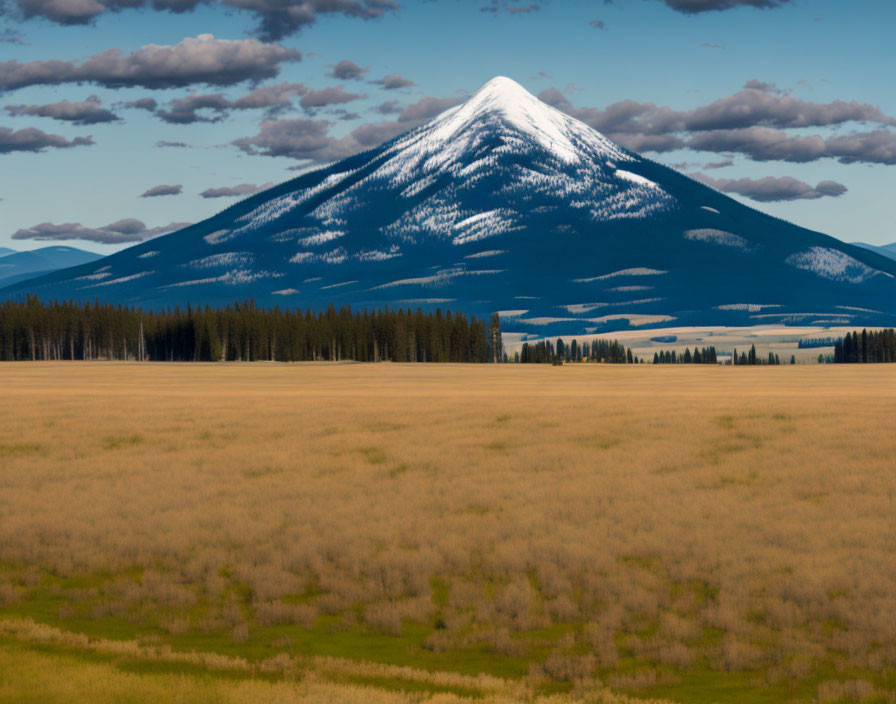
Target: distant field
[783, 340]
[396, 533]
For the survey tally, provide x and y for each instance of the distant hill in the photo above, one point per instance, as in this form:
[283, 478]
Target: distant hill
[502, 204]
[888, 250]
[16, 266]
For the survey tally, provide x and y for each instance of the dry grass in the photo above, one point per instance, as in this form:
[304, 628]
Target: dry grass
[645, 527]
[28, 677]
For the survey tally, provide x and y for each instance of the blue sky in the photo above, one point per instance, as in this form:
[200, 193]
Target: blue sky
[812, 139]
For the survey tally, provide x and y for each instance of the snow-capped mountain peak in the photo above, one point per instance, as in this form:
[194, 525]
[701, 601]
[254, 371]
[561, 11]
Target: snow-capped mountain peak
[507, 100]
[500, 204]
[503, 104]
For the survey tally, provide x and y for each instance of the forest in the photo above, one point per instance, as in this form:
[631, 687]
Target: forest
[545, 352]
[241, 332]
[706, 355]
[866, 347]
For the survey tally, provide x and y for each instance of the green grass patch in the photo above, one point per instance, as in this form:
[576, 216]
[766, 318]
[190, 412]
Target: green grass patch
[396, 684]
[257, 472]
[19, 449]
[374, 455]
[383, 427]
[439, 590]
[398, 470]
[726, 422]
[115, 442]
[602, 444]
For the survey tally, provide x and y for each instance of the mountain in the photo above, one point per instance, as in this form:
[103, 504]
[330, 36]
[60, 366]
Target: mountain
[501, 204]
[887, 250]
[19, 266]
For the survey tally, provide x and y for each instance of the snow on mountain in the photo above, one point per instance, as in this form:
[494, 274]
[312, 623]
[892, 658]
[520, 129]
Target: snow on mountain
[504, 105]
[833, 264]
[720, 237]
[498, 204]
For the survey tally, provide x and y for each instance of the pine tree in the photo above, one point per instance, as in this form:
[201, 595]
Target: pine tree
[495, 336]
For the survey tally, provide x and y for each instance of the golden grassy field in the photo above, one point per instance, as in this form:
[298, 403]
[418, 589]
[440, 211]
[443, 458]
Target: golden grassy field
[396, 533]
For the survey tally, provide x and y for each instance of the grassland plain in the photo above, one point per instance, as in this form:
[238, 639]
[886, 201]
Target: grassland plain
[400, 533]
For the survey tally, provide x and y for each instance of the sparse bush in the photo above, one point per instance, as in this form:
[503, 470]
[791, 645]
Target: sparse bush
[240, 634]
[562, 609]
[603, 644]
[676, 655]
[8, 594]
[279, 663]
[176, 625]
[231, 613]
[564, 667]
[643, 679]
[283, 641]
[211, 623]
[438, 641]
[504, 643]
[384, 617]
[734, 655]
[846, 691]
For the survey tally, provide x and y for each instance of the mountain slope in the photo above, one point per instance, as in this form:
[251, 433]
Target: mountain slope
[887, 250]
[502, 204]
[18, 266]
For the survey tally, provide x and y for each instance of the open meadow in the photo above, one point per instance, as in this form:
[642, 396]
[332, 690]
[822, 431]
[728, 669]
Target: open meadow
[396, 533]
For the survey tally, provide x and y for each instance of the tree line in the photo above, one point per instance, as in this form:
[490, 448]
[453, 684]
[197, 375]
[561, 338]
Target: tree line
[866, 348]
[704, 355]
[545, 352]
[32, 330]
[810, 342]
[751, 358]
[242, 332]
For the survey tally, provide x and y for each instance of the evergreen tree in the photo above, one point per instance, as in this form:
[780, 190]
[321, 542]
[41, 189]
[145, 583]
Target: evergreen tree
[31, 330]
[869, 347]
[495, 337]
